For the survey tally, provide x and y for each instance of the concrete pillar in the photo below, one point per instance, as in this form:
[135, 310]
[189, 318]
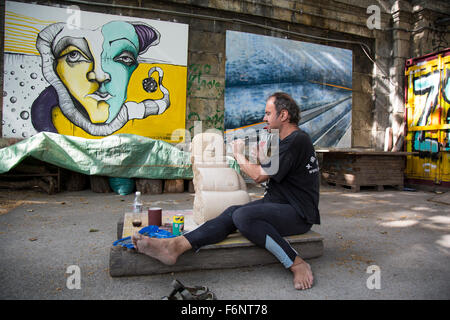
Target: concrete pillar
[401, 51]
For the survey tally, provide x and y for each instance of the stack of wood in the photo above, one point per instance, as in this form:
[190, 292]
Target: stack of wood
[32, 173]
[363, 168]
[100, 184]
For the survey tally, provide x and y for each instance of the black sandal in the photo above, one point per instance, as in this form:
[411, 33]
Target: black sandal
[180, 292]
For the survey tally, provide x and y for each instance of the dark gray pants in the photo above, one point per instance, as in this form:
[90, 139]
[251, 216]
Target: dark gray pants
[263, 223]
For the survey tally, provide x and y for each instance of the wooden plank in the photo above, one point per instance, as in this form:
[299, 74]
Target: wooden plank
[238, 240]
[361, 170]
[25, 175]
[357, 187]
[381, 175]
[366, 179]
[128, 228]
[48, 184]
[366, 184]
[357, 166]
[124, 262]
[235, 251]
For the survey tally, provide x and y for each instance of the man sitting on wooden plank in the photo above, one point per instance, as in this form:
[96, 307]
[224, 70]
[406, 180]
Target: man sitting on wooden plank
[289, 206]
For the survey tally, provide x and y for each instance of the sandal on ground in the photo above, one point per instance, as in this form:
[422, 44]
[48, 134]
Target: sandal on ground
[180, 292]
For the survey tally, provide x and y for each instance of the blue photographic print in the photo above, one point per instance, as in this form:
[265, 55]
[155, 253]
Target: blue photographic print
[318, 77]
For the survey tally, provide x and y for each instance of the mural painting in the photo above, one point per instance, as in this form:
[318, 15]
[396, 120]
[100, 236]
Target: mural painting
[92, 75]
[428, 116]
[318, 77]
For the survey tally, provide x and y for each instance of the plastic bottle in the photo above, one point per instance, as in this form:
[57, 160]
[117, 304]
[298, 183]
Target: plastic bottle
[137, 204]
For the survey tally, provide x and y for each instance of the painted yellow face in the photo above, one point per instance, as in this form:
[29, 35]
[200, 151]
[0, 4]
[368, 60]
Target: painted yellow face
[73, 68]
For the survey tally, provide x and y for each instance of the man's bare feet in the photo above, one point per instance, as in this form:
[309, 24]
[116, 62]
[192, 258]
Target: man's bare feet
[165, 250]
[303, 277]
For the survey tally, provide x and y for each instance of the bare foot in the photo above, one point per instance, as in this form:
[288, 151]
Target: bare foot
[165, 250]
[303, 277]
[135, 237]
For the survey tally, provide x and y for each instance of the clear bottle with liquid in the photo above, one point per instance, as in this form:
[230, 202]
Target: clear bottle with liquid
[137, 204]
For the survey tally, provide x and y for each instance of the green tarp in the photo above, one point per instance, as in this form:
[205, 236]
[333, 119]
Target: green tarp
[120, 155]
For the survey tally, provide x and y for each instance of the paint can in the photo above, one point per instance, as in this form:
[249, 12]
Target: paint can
[154, 216]
[178, 224]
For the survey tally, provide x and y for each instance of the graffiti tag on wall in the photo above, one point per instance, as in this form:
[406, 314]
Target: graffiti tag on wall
[105, 75]
[197, 82]
[199, 79]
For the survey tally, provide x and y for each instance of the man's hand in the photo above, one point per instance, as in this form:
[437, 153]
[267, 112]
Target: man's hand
[238, 147]
[258, 152]
[253, 170]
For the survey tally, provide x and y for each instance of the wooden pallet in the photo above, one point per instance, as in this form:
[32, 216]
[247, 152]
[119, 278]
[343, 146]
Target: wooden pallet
[363, 169]
[357, 188]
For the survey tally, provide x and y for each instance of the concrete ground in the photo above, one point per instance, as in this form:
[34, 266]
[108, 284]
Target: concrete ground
[405, 234]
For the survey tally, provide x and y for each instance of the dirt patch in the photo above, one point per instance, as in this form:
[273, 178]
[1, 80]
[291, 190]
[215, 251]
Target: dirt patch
[11, 199]
[8, 205]
[352, 261]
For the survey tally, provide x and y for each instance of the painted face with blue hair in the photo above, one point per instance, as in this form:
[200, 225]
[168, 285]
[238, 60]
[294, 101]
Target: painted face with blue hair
[97, 67]
[89, 72]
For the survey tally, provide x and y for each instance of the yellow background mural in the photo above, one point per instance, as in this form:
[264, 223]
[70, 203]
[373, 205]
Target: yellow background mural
[158, 127]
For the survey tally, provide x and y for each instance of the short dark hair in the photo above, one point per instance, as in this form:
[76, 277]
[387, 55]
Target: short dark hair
[284, 101]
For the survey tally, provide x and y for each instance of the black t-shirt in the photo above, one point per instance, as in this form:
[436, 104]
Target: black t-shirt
[297, 180]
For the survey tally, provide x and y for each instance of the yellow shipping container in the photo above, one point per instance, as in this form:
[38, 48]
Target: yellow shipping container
[427, 99]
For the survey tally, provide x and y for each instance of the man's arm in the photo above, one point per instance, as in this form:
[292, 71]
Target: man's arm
[253, 170]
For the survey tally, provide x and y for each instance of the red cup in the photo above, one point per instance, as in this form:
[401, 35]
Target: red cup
[154, 216]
